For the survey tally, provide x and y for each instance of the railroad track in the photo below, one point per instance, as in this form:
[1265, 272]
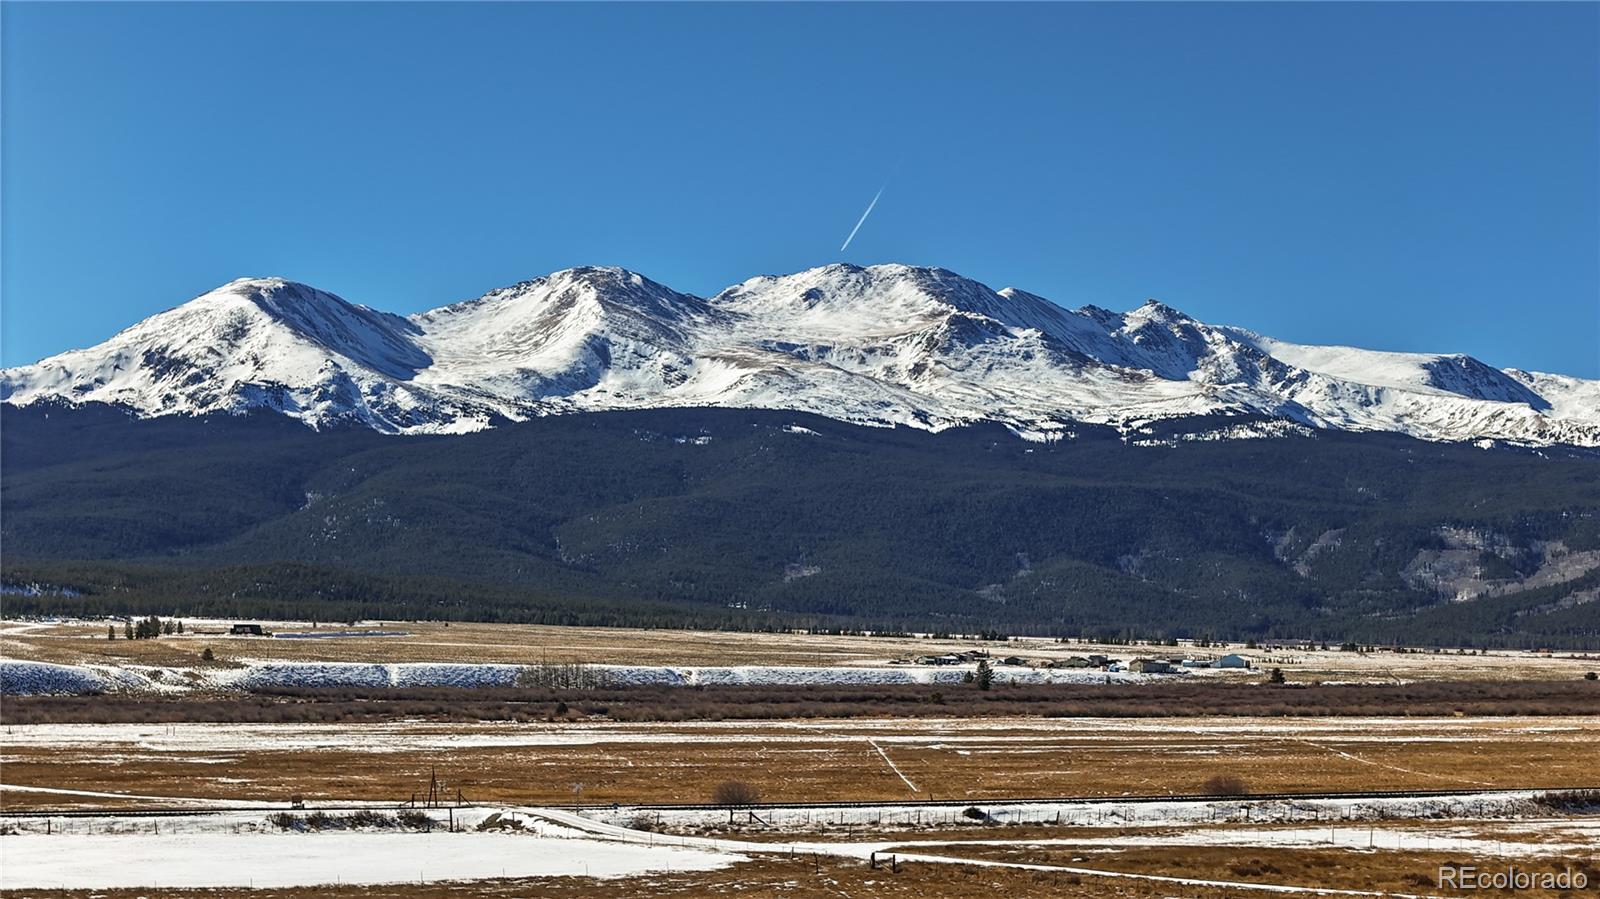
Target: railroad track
[905, 804]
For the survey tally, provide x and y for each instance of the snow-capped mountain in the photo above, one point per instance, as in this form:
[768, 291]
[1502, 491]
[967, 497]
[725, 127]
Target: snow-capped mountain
[882, 345]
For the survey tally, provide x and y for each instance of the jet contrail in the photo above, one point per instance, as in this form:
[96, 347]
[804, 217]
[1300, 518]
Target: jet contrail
[863, 217]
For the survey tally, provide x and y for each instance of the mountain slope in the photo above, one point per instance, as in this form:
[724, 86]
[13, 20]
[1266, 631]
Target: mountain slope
[681, 517]
[880, 345]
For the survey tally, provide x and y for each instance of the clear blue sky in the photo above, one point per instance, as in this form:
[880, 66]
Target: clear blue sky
[1419, 177]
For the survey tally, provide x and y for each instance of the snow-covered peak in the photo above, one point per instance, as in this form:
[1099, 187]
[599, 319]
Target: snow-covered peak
[1420, 372]
[527, 315]
[881, 344]
[853, 301]
[1153, 310]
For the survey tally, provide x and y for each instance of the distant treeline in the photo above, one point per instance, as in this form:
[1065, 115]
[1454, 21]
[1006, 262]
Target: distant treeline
[665, 703]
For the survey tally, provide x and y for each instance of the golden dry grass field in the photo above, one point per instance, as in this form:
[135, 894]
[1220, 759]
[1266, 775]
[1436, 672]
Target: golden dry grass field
[967, 754]
[86, 643]
[813, 760]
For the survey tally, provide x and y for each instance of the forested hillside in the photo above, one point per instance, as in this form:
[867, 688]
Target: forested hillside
[766, 519]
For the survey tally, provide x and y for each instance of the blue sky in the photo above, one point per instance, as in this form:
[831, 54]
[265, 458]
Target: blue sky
[1415, 177]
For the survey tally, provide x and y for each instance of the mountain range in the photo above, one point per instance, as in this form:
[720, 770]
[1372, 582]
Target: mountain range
[883, 345]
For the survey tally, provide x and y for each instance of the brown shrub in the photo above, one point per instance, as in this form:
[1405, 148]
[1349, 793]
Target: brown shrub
[735, 792]
[751, 703]
[1224, 785]
[1255, 868]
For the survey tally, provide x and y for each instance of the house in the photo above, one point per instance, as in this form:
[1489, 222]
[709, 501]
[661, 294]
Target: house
[1097, 660]
[1231, 660]
[1150, 666]
[1013, 660]
[1074, 662]
[247, 630]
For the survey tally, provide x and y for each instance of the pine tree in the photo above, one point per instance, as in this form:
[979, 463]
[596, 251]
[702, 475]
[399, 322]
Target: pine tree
[985, 674]
[111, 632]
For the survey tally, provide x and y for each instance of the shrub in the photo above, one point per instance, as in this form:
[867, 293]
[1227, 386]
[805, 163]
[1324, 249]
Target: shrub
[206, 655]
[415, 820]
[975, 813]
[563, 677]
[368, 818]
[1224, 785]
[1590, 675]
[286, 821]
[735, 792]
[1569, 800]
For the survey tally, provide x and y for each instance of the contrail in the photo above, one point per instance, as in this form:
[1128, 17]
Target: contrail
[863, 217]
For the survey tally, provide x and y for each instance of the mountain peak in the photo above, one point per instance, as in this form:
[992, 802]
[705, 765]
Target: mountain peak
[1155, 310]
[601, 276]
[886, 344]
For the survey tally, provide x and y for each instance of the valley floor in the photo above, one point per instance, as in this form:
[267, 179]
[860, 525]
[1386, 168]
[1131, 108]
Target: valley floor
[178, 791]
[83, 642]
[493, 851]
[789, 761]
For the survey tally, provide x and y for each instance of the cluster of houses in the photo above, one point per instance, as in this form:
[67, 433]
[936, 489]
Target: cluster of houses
[1168, 666]
[1172, 665]
[968, 657]
[1093, 660]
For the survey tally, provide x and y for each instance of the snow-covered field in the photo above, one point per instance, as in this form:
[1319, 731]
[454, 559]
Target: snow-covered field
[1132, 813]
[955, 735]
[1549, 836]
[24, 678]
[245, 850]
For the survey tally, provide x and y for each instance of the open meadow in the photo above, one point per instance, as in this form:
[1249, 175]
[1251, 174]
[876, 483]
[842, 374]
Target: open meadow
[397, 642]
[871, 759]
[584, 761]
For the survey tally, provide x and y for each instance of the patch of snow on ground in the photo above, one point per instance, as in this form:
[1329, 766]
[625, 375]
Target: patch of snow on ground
[20, 678]
[36, 678]
[264, 859]
[1333, 812]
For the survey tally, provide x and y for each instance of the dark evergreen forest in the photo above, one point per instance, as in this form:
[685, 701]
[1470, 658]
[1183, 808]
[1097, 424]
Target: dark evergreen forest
[732, 518]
